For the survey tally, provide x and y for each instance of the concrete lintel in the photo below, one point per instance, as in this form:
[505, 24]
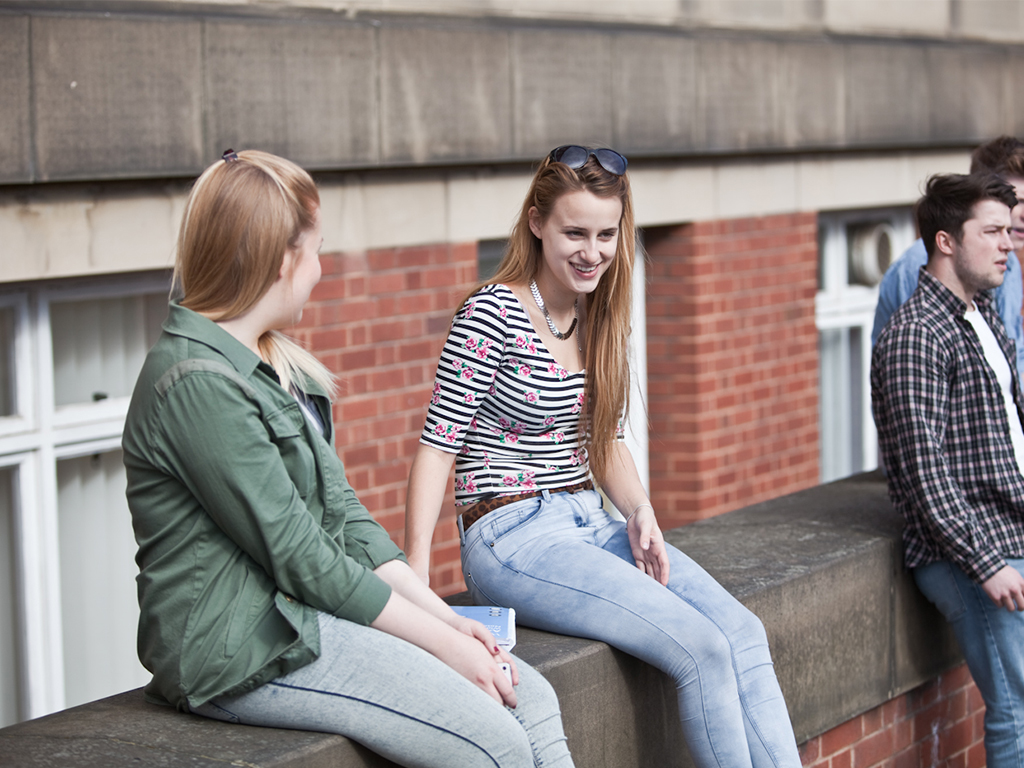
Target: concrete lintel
[133, 94]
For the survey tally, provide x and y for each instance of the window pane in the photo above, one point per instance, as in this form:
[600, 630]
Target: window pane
[10, 684]
[6, 361]
[97, 560]
[842, 379]
[834, 403]
[489, 253]
[99, 345]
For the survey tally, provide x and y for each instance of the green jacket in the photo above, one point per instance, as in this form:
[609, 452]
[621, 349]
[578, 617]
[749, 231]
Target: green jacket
[245, 522]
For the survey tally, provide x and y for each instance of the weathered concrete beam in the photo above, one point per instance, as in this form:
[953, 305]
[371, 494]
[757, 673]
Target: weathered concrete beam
[110, 90]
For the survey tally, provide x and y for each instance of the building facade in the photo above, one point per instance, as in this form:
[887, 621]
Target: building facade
[775, 149]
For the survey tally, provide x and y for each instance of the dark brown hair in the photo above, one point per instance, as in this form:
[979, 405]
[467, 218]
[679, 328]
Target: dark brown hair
[949, 201]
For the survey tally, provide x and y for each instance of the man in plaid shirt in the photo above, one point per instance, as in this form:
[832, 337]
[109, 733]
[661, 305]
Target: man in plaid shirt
[947, 403]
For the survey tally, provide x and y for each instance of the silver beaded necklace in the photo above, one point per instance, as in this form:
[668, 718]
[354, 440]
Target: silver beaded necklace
[544, 310]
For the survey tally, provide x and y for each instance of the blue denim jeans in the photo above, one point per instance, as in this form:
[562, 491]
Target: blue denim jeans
[405, 704]
[992, 641]
[565, 565]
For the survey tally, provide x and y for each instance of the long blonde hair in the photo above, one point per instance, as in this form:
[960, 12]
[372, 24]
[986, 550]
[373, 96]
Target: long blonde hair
[241, 216]
[609, 307]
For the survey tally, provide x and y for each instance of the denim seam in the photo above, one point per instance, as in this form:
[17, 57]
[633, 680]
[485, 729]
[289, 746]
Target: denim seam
[386, 709]
[740, 687]
[990, 638]
[700, 681]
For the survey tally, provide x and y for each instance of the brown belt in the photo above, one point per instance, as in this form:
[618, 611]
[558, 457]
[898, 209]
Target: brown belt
[481, 508]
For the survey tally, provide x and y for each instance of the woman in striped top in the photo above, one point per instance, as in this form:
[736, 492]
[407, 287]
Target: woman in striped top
[528, 414]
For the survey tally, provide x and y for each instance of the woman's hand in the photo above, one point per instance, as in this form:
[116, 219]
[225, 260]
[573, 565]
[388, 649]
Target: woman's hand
[648, 544]
[478, 631]
[477, 661]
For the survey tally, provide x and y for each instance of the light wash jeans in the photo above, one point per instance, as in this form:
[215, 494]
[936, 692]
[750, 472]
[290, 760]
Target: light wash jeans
[992, 641]
[405, 704]
[565, 565]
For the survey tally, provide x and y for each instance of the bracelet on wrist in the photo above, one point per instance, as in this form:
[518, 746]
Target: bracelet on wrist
[637, 507]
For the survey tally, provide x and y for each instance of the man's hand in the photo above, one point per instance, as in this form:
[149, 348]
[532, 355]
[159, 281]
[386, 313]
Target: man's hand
[1006, 588]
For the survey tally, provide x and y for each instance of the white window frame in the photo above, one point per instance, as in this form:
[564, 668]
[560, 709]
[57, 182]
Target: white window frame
[842, 305]
[32, 441]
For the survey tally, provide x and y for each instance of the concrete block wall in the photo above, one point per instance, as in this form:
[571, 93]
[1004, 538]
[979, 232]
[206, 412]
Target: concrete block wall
[939, 724]
[378, 319]
[138, 90]
[732, 363]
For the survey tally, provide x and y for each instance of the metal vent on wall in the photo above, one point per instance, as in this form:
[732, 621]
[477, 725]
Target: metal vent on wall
[871, 252]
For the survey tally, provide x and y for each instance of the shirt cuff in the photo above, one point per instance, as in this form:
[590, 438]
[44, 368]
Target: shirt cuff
[366, 601]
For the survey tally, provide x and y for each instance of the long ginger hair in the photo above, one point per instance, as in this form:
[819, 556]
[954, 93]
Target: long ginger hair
[609, 307]
[241, 217]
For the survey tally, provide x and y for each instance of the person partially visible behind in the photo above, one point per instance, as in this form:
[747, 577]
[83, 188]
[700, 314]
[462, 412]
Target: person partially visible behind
[268, 595]
[947, 403]
[1003, 156]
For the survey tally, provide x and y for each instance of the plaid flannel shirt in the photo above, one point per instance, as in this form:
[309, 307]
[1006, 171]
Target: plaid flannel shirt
[944, 434]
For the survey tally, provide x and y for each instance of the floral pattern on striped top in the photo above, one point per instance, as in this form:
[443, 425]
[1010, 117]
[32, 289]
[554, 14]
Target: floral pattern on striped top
[503, 404]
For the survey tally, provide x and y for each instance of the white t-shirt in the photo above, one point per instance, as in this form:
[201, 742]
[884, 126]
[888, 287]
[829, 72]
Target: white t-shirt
[997, 362]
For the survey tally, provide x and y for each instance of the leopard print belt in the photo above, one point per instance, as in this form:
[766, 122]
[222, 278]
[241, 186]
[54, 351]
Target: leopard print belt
[481, 508]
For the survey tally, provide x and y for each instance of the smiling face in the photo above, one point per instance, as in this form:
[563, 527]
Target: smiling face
[979, 258]
[578, 242]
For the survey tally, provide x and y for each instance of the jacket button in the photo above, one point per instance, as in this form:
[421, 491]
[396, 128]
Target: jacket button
[289, 598]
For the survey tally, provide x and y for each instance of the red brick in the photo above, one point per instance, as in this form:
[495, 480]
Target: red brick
[842, 760]
[976, 756]
[842, 736]
[810, 751]
[872, 720]
[908, 758]
[873, 750]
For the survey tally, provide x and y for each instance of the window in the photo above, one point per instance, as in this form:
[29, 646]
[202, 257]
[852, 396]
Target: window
[855, 249]
[68, 611]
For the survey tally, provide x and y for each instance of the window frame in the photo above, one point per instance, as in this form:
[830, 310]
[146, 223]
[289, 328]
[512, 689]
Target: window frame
[842, 305]
[32, 440]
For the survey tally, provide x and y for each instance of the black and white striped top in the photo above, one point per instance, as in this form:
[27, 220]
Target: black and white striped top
[504, 404]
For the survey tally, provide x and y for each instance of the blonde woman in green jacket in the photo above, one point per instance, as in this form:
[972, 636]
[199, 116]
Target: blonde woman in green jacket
[268, 594]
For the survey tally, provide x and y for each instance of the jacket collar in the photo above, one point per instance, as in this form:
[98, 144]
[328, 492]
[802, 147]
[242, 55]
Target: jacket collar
[191, 325]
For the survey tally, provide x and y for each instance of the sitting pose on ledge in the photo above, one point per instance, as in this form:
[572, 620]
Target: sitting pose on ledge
[527, 411]
[268, 594]
[947, 402]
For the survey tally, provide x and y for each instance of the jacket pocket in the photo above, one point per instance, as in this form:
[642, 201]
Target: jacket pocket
[288, 433]
[241, 614]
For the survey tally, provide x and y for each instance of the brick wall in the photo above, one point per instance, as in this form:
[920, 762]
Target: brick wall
[732, 363]
[939, 725]
[378, 320]
[732, 366]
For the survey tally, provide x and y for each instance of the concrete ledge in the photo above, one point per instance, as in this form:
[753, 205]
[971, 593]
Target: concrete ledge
[822, 568]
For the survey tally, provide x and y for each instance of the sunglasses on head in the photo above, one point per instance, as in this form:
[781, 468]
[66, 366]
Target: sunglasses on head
[576, 157]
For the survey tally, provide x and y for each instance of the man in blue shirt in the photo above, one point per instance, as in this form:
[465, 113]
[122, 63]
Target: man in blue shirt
[1003, 156]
